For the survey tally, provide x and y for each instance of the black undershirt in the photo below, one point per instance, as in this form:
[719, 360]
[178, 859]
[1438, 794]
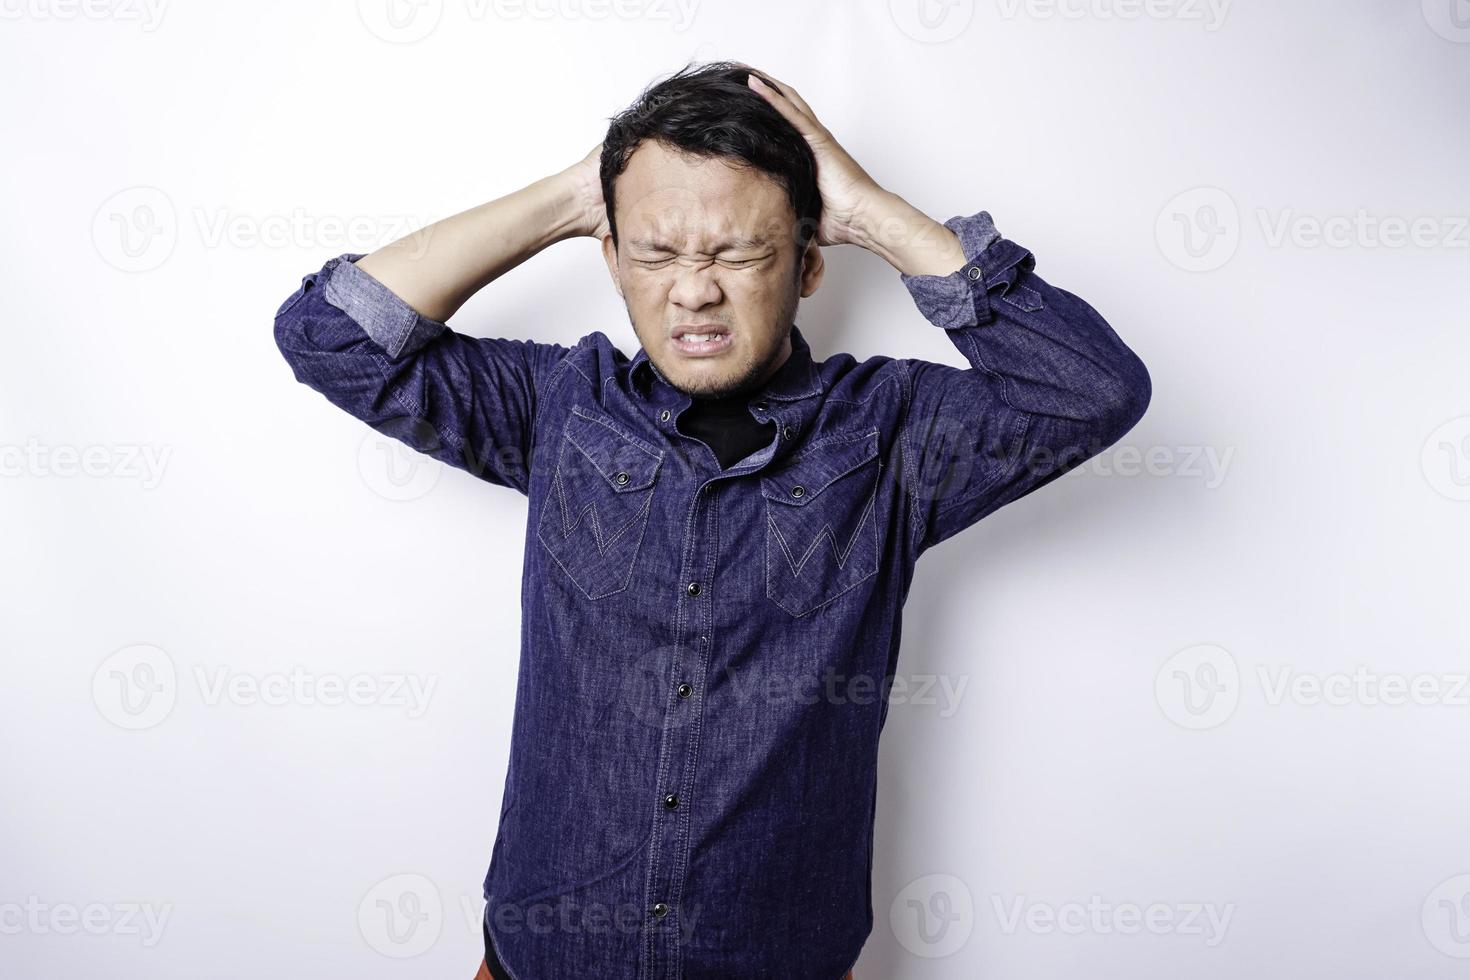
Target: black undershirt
[726, 425]
[496, 970]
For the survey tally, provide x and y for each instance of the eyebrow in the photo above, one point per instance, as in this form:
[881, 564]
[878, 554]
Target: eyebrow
[739, 243]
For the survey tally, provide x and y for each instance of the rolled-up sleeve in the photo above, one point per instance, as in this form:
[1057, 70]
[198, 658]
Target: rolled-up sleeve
[1050, 384]
[469, 402]
[392, 324]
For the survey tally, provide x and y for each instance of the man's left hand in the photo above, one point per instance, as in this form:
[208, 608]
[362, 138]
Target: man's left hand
[855, 210]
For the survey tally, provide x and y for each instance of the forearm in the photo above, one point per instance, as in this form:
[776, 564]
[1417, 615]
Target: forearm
[439, 267]
[907, 238]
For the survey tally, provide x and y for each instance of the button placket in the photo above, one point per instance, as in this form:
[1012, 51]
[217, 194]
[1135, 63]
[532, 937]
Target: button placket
[667, 862]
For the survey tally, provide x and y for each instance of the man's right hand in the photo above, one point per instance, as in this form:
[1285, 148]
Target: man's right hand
[586, 176]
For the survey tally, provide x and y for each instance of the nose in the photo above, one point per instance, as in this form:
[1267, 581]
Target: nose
[695, 286]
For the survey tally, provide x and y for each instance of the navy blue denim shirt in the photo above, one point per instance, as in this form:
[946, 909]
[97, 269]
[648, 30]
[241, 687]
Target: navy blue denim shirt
[706, 654]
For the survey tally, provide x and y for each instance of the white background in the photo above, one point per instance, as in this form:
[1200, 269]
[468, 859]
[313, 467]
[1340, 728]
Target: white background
[1292, 509]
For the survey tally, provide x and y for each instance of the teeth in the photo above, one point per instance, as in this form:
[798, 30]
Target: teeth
[701, 337]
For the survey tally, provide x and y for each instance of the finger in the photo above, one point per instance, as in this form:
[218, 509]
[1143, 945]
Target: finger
[793, 96]
[804, 124]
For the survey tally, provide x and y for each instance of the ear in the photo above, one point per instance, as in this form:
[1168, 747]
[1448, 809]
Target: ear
[812, 267]
[610, 256]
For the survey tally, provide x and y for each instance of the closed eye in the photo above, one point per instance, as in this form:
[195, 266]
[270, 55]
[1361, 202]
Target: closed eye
[733, 263]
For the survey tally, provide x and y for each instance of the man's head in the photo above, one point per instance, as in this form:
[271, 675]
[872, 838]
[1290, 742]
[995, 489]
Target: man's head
[712, 206]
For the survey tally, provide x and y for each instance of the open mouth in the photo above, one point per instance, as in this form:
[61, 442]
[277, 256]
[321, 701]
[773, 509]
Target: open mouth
[697, 343]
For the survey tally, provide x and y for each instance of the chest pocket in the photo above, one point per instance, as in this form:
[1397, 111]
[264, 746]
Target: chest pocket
[822, 523]
[593, 517]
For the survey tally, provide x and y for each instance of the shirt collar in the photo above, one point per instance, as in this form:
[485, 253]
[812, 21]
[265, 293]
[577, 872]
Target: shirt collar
[788, 398]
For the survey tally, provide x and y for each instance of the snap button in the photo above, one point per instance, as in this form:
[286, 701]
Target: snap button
[974, 272]
[798, 491]
[622, 478]
[664, 415]
[671, 801]
[694, 588]
[787, 432]
[660, 910]
[760, 406]
[685, 689]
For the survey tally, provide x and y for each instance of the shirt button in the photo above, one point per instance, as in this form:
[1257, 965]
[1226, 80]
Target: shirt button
[685, 689]
[694, 588]
[671, 801]
[660, 910]
[973, 272]
[798, 491]
[664, 415]
[622, 478]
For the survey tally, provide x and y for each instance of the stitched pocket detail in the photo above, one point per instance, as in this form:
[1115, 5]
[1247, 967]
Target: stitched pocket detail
[822, 530]
[596, 511]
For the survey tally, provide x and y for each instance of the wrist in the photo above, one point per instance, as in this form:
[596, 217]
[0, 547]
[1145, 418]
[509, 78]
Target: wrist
[908, 239]
[569, 210]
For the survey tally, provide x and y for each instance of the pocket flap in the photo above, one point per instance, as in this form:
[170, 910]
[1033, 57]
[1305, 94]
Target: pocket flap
[624, 463]
[801, 480]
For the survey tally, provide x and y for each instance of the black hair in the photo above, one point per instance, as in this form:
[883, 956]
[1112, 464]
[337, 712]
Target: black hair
[711, 111]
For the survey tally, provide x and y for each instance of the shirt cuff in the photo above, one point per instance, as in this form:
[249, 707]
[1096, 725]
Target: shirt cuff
[391, 323]
[960, 299]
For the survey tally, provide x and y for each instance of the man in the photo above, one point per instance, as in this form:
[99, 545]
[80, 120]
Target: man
[722, 530]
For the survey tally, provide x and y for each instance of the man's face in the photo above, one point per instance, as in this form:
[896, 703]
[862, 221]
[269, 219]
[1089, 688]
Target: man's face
[707, 248]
